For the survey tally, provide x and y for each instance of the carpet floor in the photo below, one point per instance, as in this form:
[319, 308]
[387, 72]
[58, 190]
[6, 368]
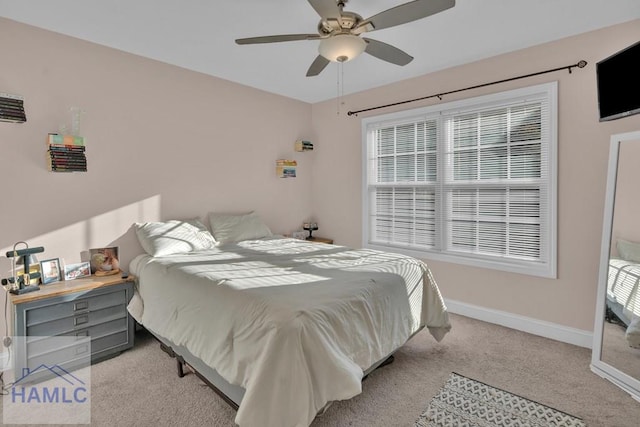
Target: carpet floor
[140, 387]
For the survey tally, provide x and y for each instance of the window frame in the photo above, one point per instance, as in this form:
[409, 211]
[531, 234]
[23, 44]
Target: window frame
[545, 268]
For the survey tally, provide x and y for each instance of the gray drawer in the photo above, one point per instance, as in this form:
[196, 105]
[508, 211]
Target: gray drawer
[59, 356]
[77, 322]
[109, 342]
[81, 304]
[74, 352]
[40, 345]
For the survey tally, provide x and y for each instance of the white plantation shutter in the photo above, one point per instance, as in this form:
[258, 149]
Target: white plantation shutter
[471, 181]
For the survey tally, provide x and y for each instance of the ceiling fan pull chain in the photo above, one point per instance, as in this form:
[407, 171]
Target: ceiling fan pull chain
[342, 83]
[338, 88]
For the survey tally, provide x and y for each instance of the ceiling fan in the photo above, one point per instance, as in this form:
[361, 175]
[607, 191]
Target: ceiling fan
[339, 31]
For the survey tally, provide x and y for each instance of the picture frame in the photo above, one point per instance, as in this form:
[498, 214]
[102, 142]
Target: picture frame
[77, 270]
[104, 261]
[50, 271]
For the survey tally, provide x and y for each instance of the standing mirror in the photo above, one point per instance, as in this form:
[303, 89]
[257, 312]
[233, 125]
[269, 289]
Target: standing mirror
[616, 336]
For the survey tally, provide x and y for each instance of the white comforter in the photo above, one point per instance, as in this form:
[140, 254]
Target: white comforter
[294, 323]
[623, 285]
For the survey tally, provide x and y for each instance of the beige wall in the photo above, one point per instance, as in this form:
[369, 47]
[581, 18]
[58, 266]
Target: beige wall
[583, 145]
[164, 142]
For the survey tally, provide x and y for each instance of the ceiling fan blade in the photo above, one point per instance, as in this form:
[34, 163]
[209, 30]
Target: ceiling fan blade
[280, 38]
[317, 66]
[327, 9]
[386, 52]
[407, 12]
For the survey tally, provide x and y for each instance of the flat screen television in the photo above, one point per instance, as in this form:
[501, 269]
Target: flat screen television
[619, 84]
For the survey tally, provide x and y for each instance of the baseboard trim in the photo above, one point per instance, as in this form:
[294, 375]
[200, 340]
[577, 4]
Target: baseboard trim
[530, 325]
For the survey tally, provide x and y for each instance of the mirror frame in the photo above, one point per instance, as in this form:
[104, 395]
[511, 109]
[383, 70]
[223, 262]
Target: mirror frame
[626, 382]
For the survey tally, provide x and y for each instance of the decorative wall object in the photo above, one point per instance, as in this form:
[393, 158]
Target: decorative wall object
[301, 145]
[66, 153]
[286, 168]
[12, 108]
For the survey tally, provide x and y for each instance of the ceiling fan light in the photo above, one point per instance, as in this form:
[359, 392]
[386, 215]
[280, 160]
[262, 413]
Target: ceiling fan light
[342, 47]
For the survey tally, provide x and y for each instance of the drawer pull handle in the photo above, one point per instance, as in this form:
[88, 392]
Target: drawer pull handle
[82, 349]
[81, 305]
[80, 320]
[84, 333]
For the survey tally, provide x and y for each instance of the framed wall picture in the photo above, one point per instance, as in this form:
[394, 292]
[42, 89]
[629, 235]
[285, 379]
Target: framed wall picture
[50, 271]
[77, 270]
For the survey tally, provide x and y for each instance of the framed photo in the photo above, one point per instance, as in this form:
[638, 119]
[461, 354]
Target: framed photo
[75, 271]
[104, 261]
[50, 271]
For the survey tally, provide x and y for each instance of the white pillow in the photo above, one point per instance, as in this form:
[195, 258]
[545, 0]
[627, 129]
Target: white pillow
[236, 228]
[173, 237]
[628, 251]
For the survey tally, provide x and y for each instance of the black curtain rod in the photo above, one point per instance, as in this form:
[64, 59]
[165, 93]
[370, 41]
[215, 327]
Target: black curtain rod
[581, 64]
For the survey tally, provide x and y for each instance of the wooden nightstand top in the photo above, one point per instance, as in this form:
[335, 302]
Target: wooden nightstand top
[68, 286]
[320, 240]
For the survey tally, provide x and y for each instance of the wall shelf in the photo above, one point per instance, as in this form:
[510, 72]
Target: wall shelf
[66, 153]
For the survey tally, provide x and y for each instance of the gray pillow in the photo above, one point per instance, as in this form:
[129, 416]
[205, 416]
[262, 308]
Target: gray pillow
[628, 251]
[236, 228]
[173, 237]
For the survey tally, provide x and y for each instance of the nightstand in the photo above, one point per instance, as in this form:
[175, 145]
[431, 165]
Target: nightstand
[94, 307]
[320, 240]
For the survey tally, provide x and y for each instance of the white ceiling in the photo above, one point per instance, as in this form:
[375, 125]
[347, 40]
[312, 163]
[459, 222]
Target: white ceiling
[199, 35]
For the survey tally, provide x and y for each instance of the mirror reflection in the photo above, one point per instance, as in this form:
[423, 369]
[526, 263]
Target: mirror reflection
[621, 329]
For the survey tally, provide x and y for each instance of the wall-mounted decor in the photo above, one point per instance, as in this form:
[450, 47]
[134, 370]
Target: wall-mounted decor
[301, 145]
[286, 168]
[12, 108]
[66, 153]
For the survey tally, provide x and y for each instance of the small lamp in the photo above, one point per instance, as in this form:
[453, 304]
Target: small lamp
[29, 260]
[30, 265]
[22, 284]
[342, 47]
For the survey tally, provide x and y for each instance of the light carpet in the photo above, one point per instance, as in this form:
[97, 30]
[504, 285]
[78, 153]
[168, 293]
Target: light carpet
[463, 401]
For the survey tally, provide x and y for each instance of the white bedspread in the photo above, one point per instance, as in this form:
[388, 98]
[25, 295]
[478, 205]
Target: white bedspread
[622, 285]
[294, 323]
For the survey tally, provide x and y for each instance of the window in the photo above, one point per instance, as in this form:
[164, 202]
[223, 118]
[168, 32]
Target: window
[472, 181]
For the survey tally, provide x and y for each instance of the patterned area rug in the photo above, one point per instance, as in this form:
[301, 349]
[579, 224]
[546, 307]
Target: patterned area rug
[463, 402]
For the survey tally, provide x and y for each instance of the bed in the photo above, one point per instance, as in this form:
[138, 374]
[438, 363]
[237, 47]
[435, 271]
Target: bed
[623, 296]
[283, 326]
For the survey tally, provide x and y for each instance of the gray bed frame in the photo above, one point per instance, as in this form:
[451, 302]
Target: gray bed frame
[232, 394]
[617, 309]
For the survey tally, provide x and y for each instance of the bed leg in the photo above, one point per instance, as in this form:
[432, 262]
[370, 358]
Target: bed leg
[389, 360]
[167, 350]
[180, 364]
[179, 360]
